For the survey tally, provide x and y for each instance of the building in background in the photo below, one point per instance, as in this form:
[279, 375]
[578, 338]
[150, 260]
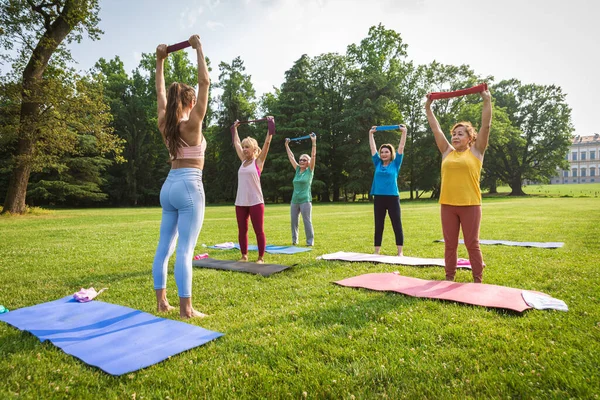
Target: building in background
[583, 157]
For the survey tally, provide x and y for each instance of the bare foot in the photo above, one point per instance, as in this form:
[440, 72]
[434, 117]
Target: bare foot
[191, 314]
[400, 255]
[162, 304]
[164, 307]
[260, 261]
[244, 257]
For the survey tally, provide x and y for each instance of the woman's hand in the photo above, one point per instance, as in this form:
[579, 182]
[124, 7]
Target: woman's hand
[372, 130]
[195, 41]
[313, 138]
[161, 52]
[429, 101]
[485, 95]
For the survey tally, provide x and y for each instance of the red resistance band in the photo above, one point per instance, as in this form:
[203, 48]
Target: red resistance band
[178, 46]
[270, 124]
[458, 93]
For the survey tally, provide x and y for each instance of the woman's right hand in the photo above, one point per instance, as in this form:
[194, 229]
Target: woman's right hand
[287, 141]
[195, 41]
[372, 130]
[429, 101]
[161, 52]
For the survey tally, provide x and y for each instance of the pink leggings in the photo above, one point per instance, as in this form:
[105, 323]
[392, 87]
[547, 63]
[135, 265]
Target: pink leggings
[257, 215]
[469, 217]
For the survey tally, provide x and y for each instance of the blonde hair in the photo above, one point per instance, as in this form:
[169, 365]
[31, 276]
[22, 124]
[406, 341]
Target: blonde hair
[471, 132]
[304, 155]
[179, 96]
[253, 143]
[390, 148]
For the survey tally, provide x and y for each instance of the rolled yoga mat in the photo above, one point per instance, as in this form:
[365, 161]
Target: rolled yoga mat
[178, 46]
[387, 127]
[116, 339]
[478, 294]
[270, 124]
[457, 93]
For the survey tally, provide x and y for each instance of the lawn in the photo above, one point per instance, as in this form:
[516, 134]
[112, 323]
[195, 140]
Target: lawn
[295, 334]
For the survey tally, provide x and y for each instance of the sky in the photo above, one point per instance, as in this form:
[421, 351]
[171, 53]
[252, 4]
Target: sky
[535, 41]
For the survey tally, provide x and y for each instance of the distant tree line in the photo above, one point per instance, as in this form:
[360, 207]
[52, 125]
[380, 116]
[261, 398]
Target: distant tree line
[90, 139]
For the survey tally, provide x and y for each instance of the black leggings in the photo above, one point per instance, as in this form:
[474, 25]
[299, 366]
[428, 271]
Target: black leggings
[391, 205]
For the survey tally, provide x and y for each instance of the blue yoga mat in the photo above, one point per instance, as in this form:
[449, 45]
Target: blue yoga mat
[114, 338]
[270, 248]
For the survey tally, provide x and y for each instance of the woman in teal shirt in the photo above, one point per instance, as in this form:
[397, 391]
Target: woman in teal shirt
[302, 197]
[385, 188]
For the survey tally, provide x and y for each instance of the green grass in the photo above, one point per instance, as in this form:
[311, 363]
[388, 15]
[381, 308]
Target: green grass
[295, 334]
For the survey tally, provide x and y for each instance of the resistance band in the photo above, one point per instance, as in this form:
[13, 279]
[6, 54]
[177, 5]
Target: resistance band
[301, 137]
[270, 124]
[457, 93]
[388, 127]
[178, 46]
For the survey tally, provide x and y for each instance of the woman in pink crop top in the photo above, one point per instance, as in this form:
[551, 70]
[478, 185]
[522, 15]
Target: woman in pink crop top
[460, 196]
[180, 115]
[249, 202]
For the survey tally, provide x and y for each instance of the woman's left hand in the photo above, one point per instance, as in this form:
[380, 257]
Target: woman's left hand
[485, 95]
[161, 52]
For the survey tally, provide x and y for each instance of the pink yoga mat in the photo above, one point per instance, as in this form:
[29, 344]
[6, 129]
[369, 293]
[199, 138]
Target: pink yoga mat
[479, 294]
[458, 93]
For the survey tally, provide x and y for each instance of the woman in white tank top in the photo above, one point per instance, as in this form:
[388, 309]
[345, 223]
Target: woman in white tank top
[249, 201]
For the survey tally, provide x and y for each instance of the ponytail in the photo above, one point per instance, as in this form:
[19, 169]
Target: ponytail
[179, 95]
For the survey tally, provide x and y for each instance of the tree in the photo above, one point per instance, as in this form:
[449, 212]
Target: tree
[330, 76]
[296, 113]
[374, 96]
[236, 102]
[541, 136]
[43, 28]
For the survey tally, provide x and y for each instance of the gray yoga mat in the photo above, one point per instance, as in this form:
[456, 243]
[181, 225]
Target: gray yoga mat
[240, 266]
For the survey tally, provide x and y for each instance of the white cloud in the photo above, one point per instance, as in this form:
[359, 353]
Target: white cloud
[213, 25]
[188, 17]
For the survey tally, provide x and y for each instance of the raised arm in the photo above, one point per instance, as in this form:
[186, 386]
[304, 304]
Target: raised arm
[290, 154]
[372, 141]
[236, 140]
[402, 139]
[486, 124]
[161, 92]
[313, 152]
[440, 138]
[199, 110]
[260, 161]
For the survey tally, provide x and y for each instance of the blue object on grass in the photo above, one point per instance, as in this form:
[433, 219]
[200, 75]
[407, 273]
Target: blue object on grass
[3, 310]
[271, 249]
[114, 338]
[388, 127]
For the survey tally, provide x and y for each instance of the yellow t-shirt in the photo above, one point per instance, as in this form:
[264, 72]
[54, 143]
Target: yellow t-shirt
[461, 172]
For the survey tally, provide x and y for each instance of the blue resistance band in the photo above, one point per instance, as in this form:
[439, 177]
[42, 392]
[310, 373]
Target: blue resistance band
[388, 127]
[301, 137]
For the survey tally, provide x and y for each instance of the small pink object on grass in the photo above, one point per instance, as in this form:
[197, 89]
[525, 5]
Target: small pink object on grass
[201, 256]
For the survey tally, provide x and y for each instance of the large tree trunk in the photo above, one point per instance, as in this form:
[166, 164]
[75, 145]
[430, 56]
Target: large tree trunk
[32, 78]
[516, 184]
[493, 188]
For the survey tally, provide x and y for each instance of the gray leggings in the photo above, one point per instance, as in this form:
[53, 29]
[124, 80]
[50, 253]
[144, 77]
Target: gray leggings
[306, 210]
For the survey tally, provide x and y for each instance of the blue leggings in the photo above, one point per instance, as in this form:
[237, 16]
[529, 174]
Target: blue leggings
[182, 201]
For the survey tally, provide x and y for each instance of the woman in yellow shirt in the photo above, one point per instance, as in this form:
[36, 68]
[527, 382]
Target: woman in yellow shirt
[460, 195]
